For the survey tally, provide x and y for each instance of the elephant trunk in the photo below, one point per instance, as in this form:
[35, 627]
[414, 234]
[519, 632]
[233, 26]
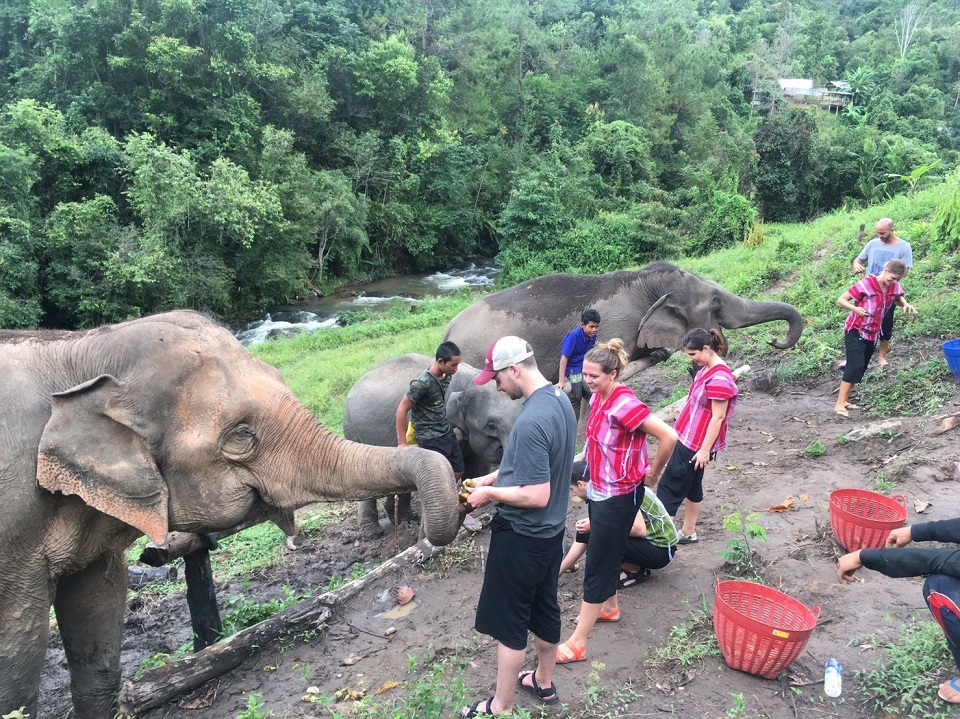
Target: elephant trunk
[328, 468]
[746, 313]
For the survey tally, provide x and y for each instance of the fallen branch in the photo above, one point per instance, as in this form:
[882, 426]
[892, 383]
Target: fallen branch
[162, 684]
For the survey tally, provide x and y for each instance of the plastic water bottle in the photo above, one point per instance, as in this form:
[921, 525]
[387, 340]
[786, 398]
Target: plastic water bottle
[832, 678]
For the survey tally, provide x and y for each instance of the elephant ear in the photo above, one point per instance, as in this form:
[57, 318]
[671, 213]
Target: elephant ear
[89, 448]
[661, 326]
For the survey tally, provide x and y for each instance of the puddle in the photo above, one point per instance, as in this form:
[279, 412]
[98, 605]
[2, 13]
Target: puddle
[401, 610]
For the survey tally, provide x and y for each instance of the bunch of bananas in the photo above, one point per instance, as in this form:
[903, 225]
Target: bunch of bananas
[464, 494]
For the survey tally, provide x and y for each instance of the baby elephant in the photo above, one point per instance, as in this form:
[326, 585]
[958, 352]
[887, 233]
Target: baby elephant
[482, 416]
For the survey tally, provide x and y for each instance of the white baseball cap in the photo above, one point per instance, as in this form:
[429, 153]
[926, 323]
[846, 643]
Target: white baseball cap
[503, 353]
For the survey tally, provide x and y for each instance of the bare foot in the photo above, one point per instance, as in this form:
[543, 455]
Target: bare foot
[851, 405]
[841, 411]
[949, 691]
[882, 363]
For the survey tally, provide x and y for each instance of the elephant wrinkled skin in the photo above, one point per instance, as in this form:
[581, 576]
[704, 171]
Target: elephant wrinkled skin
[483, 416]
[159, 424]
[649, 309]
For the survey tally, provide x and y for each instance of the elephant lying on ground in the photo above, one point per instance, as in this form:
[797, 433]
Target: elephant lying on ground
[649, 309]
[483, 416]
[160, 424]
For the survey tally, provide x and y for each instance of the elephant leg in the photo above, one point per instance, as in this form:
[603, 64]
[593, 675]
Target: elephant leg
[644, 363]
[369, 517]
[89, 606]
[398, 508]
[25, 618]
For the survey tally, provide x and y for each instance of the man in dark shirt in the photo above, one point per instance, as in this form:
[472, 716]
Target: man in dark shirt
[531, 489]
[941, 588]
[426, 403]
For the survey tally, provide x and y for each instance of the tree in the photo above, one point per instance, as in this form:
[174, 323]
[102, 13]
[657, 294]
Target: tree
[905, 25]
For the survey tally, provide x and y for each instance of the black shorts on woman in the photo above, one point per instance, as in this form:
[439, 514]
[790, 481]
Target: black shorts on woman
[681, 479]
[610, 522]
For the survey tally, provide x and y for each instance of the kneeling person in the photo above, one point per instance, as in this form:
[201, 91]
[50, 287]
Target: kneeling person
[652, 542]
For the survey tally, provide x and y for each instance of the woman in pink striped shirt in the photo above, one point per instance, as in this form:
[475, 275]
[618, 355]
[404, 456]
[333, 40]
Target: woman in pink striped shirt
[867, 302]
[702, 428]
[616, 453]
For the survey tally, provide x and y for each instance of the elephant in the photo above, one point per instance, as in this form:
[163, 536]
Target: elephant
[649, 309]
[483, 416]
[164, 423]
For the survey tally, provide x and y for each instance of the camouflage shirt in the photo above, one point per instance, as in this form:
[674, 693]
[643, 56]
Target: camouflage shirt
[429, 414]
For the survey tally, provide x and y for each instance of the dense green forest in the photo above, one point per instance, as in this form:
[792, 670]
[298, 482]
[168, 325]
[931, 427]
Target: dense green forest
[226, 155]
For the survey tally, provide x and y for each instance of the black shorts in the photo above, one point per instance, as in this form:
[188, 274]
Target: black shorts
[858, 352]
[610, 524]
[448, 446]
[680, 480]
[886, 326]
[640, 551]
[520, 587]
[647, 555]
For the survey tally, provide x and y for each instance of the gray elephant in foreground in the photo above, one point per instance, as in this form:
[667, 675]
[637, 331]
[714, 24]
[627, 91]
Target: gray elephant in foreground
[160, 424]
[649, 309]
[483, 416]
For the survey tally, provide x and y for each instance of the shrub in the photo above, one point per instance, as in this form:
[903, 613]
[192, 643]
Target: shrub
[728, 223]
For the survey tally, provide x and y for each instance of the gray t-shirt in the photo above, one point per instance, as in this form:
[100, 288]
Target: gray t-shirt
[429, 396]
[876, 253]
[540, 449]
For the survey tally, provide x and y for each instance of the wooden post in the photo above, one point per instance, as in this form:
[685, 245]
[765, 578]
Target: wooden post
[202, 599]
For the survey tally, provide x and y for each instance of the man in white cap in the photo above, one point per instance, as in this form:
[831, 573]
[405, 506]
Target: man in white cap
[531, 489]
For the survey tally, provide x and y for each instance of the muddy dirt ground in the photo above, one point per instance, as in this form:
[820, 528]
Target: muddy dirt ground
[765, 465]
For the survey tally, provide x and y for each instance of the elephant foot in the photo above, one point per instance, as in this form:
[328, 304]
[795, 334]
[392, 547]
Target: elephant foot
[371, 531]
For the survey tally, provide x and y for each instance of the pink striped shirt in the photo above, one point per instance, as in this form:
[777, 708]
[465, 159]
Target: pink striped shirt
[616, 446]
[868, 294]
[711, 383]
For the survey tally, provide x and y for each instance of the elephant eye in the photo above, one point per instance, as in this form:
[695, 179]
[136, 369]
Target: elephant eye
[239, 443]
[490, 428]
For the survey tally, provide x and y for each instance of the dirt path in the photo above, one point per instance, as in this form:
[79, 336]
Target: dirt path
[766, 464]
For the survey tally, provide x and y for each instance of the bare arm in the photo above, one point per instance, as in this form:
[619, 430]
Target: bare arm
[718, 412]
[666, 440]
[563, 371]
[846, 301]
[639, 528]
[901, 302]
[576, 551]
[406, 404]
[532, 496]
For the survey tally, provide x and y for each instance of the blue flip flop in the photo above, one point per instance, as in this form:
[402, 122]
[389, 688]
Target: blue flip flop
[955, 685]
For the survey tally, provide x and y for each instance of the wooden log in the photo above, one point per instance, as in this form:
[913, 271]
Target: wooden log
[180, 544]
[162, 684]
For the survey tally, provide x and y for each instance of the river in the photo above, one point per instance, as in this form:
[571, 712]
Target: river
[378, 296]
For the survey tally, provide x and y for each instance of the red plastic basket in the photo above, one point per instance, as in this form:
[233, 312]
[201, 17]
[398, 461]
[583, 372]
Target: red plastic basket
[864, 519]
[760, 630]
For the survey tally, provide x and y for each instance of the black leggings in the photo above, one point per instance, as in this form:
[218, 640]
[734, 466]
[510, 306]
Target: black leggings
[859, 352]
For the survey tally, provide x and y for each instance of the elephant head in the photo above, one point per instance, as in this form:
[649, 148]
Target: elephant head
[159, 424]
[484, 418]
[679, 301]
[195, 434]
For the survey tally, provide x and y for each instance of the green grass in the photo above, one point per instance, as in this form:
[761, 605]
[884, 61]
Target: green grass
[904, 682]
[320, 367]
[690, 642]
